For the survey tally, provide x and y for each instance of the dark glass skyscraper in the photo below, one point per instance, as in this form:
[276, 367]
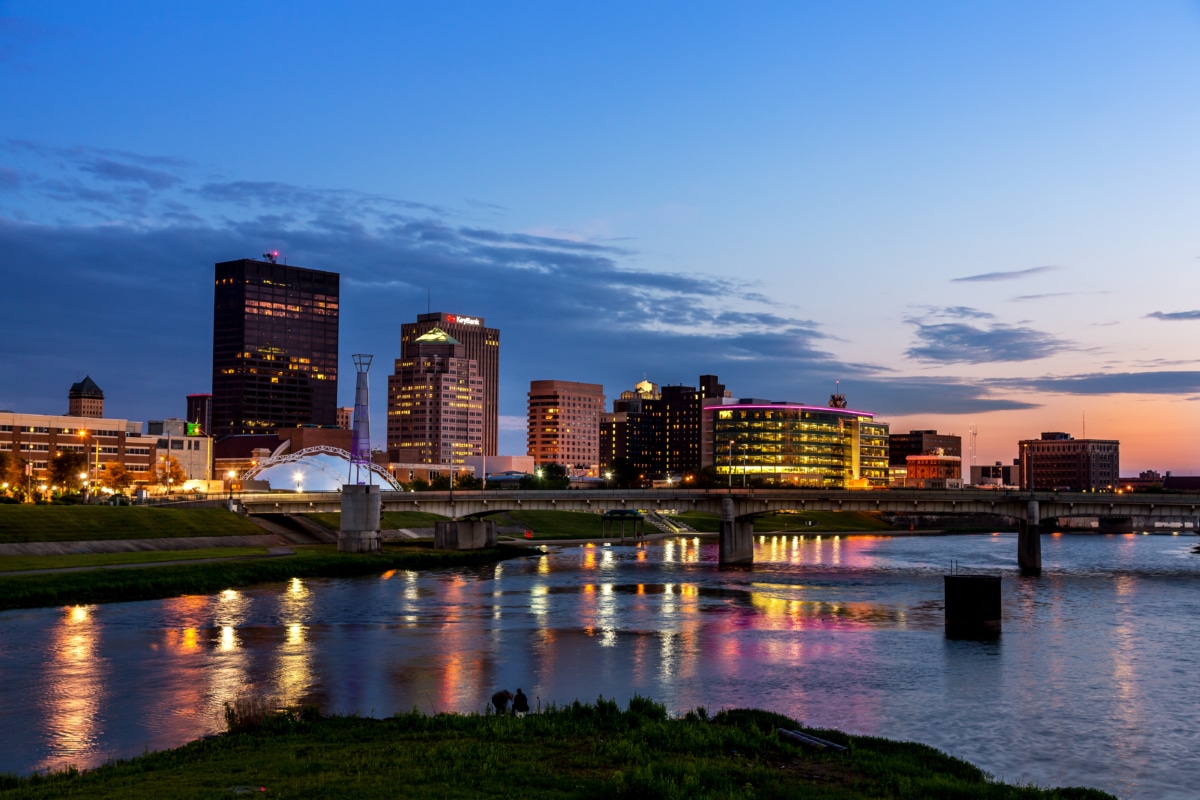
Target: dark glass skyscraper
[275, 347]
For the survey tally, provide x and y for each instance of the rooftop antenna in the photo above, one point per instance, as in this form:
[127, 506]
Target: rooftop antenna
[974, 429]
[272, 256]
[837, 399]
[428, 299]
[1083, 411]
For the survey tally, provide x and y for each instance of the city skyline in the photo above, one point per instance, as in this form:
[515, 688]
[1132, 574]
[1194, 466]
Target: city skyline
[966, 215]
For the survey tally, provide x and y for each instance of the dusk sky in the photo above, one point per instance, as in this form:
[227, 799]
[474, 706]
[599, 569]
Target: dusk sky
[968, 213]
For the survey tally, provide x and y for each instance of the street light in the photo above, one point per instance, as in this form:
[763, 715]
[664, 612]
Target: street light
[538, 472]
[607, 479]
[298, 476]
[83, 476]
[731, 465]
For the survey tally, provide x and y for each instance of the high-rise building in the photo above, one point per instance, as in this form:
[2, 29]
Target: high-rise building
[275, 347]
[564, 422]
[482, 344]
[345, 417]
[916, 443]
[1057, 461]
[660, 431]
[199, 411]
[85, 399]
[435, 402]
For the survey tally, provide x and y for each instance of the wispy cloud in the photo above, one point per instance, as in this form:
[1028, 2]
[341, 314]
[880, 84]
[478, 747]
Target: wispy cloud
[1163, 382]
[1005, 276]
[1174, 316]
[108, 170]
[961, 343]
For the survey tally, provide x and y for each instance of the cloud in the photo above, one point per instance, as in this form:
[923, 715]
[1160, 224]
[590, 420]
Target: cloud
[113, 171]
[1162, 382]
[9, 179]
[956, 342]
[1005, 276]
[1174, 316]
[511, 422]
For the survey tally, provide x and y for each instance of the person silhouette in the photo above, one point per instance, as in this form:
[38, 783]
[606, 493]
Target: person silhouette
[520, 704]
[500, 700]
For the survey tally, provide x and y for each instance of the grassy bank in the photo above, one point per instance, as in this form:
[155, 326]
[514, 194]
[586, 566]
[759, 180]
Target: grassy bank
[387, 520]
[799, 522]
[146, 583]
[29, 523]
[78, 560]
[557, 524]
[578, 751]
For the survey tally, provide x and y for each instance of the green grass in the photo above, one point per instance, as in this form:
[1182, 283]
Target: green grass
[387, 520]
[559, 524]
[146, 583]
[577, 751]
[822, 521]
[15, 563]
[28, 523]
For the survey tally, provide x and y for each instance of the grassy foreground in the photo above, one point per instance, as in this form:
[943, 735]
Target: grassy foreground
[578, 751]
[148, 583]
[27, 523]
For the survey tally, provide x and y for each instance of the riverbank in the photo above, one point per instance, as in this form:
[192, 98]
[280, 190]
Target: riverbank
[580, 750]
[154, 582]
[19, 524]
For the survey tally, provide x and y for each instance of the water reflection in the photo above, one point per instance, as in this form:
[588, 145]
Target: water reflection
[836, 630]
[76, 675]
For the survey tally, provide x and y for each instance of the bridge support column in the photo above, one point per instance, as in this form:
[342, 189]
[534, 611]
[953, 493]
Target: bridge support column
[359, 531]
[736, 543]
[464, 534]
[1029, 541]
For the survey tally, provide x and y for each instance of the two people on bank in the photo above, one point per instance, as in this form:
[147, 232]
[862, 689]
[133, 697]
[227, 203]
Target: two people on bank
[520, 703]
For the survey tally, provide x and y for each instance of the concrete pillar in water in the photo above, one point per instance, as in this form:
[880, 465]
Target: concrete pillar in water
[1029, 541]
[464, 534]
[972, 605]
[359, 531]
[736, 543]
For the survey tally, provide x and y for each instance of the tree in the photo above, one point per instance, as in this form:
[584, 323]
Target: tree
[624, 474]
[170, 474]
[14, 475]
[65, 469]
[419, 485]
[467, 481]
[547, 476]
[440, 483]
[116, 476]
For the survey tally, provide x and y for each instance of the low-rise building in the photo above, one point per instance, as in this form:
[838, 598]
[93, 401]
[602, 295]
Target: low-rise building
[35, 439]
[996, 476]
[184, 442]
[934, 470]
[1058, 461]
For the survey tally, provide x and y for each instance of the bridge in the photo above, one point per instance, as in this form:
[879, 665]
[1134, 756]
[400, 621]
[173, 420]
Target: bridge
[738, 507]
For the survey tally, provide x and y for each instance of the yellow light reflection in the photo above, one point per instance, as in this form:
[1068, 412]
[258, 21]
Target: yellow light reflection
[75, 679]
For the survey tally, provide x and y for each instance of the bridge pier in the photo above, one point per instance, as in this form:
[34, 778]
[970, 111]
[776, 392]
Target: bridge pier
[736, 542]
[1029, 541]
[359, 531]
[464, 534]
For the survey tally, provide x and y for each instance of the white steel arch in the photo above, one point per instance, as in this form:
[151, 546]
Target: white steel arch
[305, 457]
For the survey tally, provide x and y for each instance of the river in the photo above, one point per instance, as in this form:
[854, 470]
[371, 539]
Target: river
[1092, 682]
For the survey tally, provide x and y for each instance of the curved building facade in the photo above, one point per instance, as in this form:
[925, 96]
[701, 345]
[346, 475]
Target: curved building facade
[791, 444]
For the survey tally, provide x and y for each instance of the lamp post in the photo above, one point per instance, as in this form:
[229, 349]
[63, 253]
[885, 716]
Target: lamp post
[608, 479]
[743, 466]
[731, 465]
[83, 477]
[538, 472]
[298, 477]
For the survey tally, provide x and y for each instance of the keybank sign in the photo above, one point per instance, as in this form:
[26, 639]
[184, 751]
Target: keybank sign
[463, 320]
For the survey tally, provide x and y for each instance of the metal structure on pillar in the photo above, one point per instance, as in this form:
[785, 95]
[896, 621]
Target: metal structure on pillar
[359, 531]
[360, 443]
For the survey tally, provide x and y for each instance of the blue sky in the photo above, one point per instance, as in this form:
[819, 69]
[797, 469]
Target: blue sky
[969, 213]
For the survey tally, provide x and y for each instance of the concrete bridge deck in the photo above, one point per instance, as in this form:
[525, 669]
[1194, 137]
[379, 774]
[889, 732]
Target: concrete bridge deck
[750, 502]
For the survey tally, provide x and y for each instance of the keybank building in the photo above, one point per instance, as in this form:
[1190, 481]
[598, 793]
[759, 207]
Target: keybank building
[789, 444]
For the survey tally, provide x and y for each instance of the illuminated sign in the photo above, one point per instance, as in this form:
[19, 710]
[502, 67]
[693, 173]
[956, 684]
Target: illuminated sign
[463, 320]
[193, 429]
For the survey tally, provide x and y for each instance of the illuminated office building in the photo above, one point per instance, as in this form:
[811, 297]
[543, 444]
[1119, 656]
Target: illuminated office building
[435, 402]
[564, 423]
[275, 347]
[482, 345]
[798, 445]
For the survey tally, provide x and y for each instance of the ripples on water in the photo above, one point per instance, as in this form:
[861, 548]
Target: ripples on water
[1090, 683]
